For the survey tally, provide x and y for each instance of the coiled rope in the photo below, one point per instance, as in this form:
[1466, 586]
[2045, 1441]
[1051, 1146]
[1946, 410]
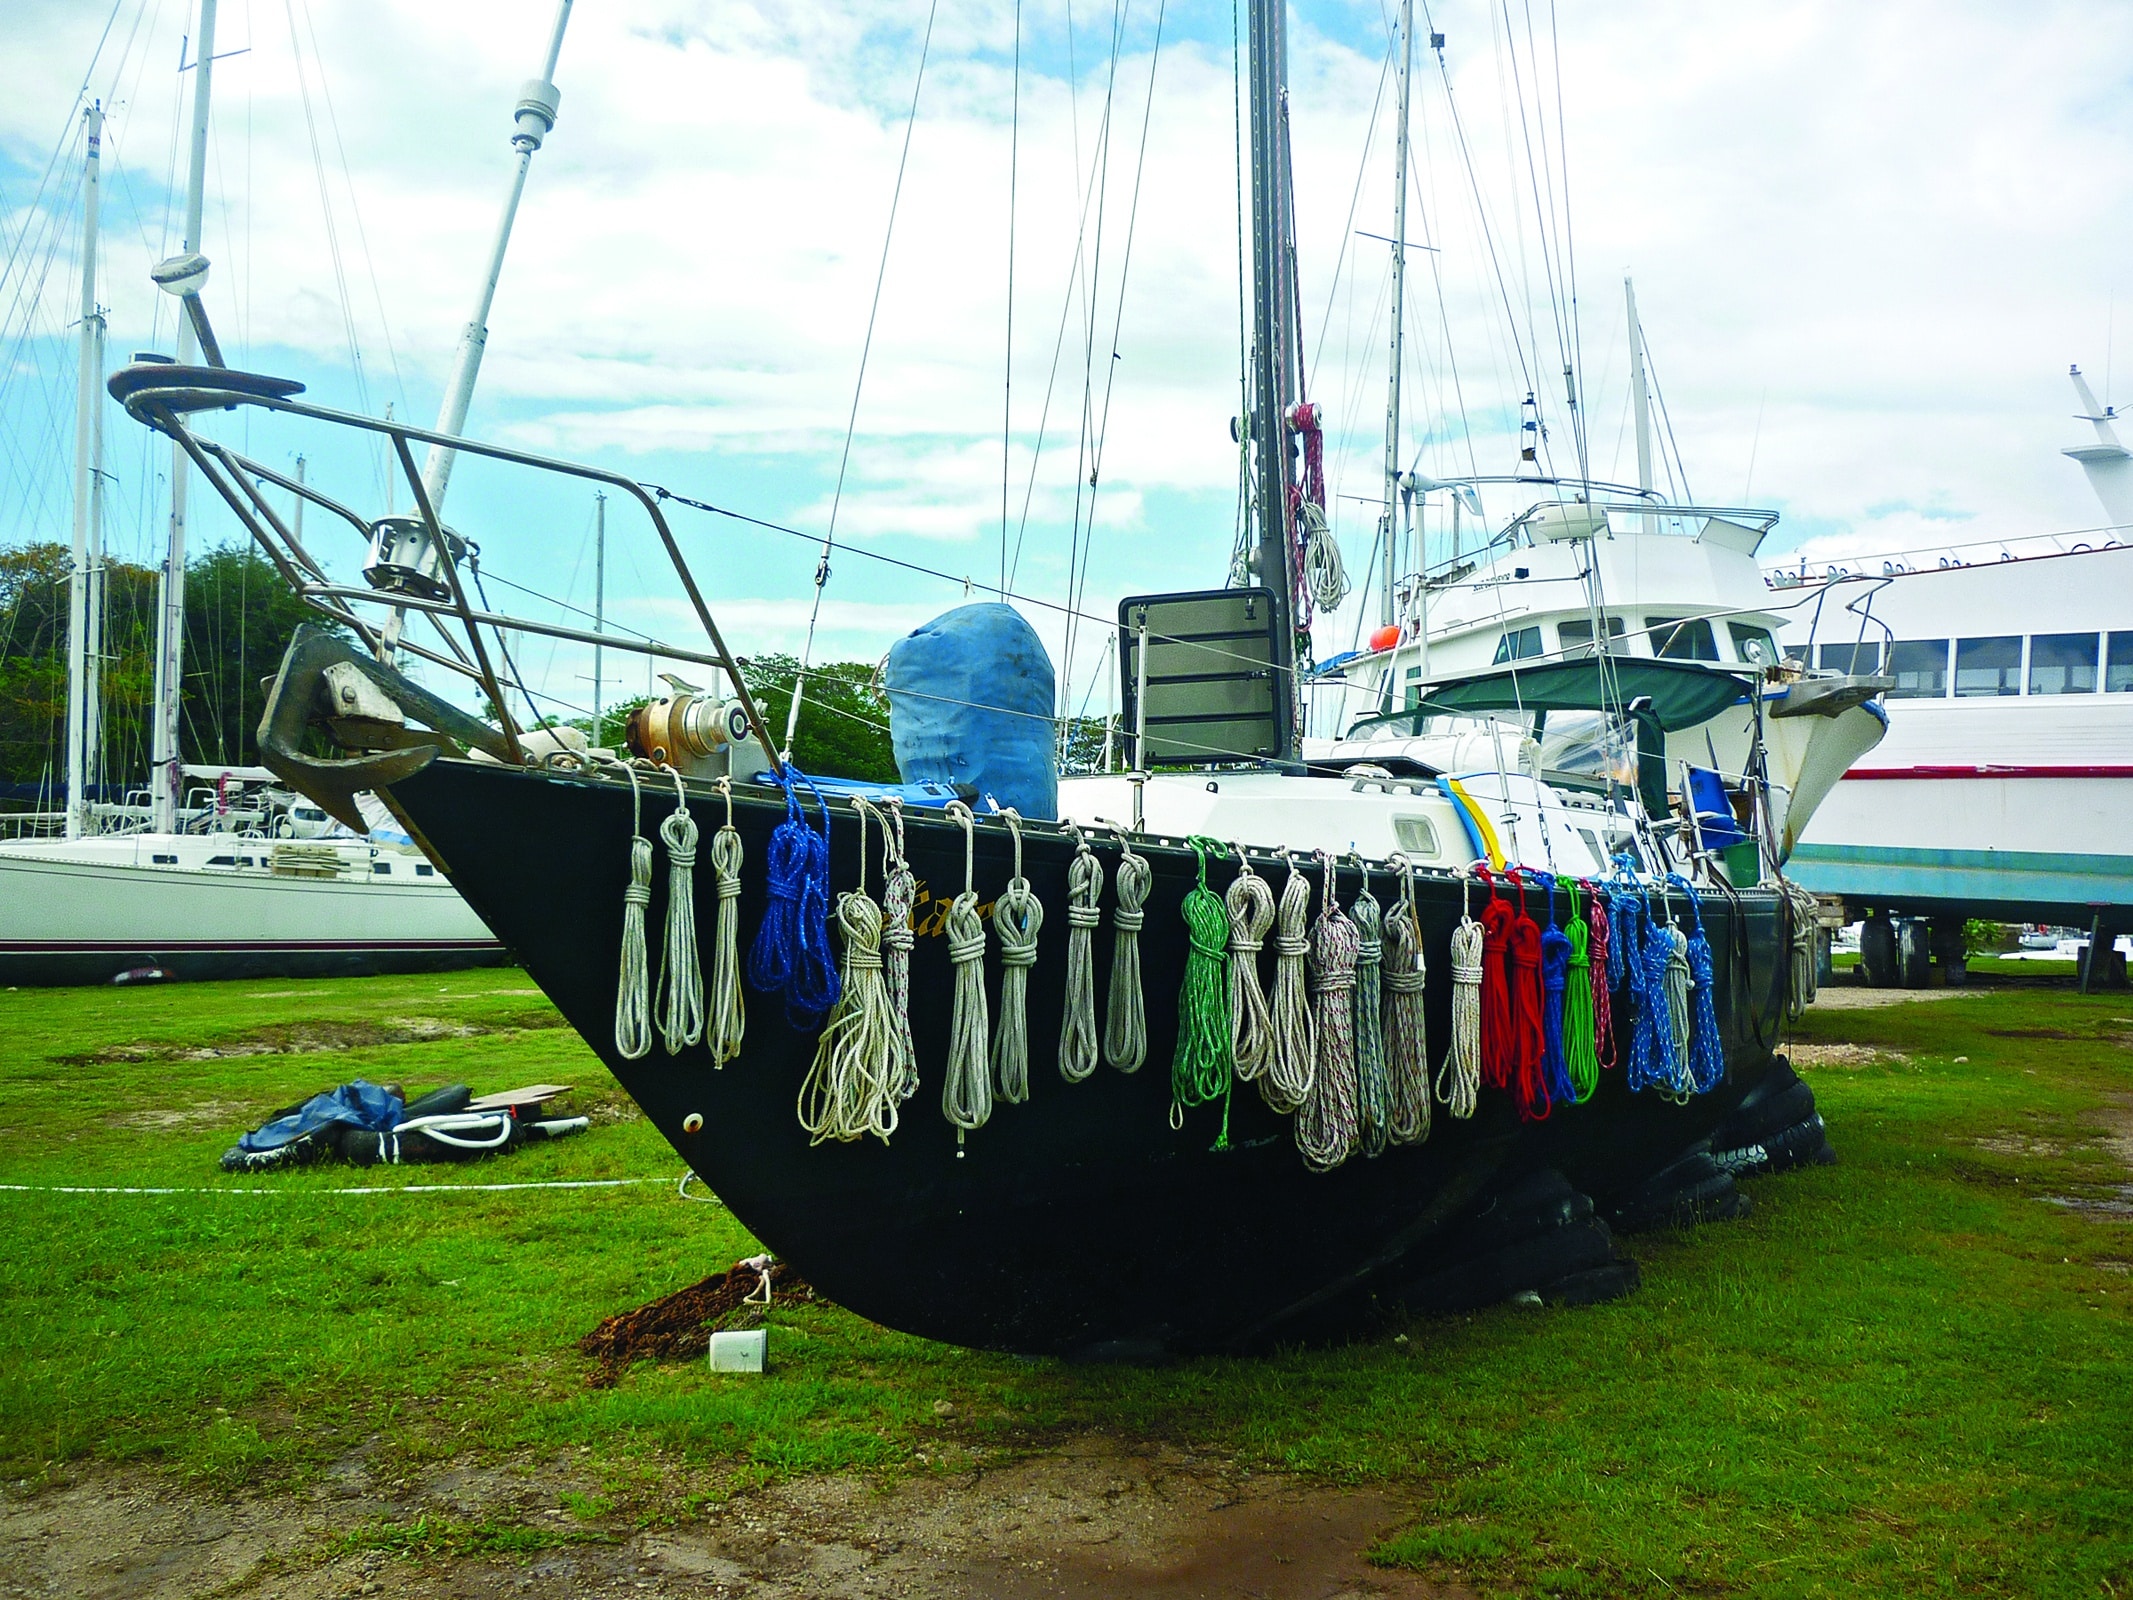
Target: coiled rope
[1459, 1079]
[1604, 1047]
[681, 970]
[899, 895]
[1016, 917]
[1373, 1093]
[1405, 1028]
[791, 956]
[966, 1088]
[1803, 915]
[1326, 1129]
[1529, 1047]
[633, 1024]
[1292, 1037]
[1200, 1065]
[1555, 955]
[1581, 1057]
[1706, 1054]
[1677, 979]
[1126, 1019]
[727, 1021]
[1499, 1040]
[1250, 904]
[850, 1089]
[1077, 1026]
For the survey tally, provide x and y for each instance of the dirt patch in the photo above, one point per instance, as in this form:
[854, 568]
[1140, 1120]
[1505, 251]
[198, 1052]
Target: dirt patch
[2020, 1144]
[678, 1326]
[1841, 996]
[1090, 1519]
[307, 1038]
[1806, 1057]
[182, 1119]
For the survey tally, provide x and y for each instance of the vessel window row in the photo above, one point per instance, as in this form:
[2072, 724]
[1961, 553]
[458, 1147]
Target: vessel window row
[1671, 638]
[1992, 665]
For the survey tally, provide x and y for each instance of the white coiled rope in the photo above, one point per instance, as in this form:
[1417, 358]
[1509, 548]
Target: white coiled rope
[1405, 1026]
[966, 1088]
[850, 1089]
[1805, 972]
[899, 897]
[633, 1024]
[1293, 1039]
[1459, 1079]
[1324, 571]
[1373, 1088]
[681, 968]
[1326, 1124]
[1126, 1021]
[1251, 913]
[1016, 917]
[1679, 982]
[1077, 1027]
[727, 1018]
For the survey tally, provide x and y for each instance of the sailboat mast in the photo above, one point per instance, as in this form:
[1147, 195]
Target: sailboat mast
[599, 598]
[1640, 397]
[80, 719]
[1273, 387]
[1390, 528]
[170, 630]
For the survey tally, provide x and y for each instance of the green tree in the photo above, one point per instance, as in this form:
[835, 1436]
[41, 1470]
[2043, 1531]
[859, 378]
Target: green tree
[844, 716]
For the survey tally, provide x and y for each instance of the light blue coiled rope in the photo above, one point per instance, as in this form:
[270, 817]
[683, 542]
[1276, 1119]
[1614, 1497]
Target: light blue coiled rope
[1707, 1058]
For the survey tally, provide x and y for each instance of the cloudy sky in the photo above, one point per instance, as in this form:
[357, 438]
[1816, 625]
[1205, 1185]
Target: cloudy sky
[1867, 242]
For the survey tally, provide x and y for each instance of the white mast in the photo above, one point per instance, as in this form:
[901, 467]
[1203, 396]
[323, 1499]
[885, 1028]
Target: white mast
[599, 597]
[1640, 396]
[2107, 462]
[1389, 525]
[538, 99]
[88, 541]
[170, 631]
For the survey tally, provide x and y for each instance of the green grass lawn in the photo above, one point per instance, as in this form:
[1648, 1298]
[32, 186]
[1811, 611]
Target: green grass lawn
[1905, 1374]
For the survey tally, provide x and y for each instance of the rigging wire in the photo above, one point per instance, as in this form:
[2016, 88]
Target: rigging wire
[1007, 382]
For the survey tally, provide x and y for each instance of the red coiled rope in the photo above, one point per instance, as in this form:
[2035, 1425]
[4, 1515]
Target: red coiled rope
[1603, 1023]
[1497, 1043]
[1529, 1035]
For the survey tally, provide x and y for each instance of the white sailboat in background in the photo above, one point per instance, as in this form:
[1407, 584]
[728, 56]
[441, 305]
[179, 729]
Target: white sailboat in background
[236, 877]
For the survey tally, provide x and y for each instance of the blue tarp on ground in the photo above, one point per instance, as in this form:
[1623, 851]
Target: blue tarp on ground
[359, 1104]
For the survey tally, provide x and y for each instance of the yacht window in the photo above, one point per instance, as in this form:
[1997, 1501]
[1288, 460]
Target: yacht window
[422, 870]
[2118, 664]
[1754, 644]
[163, 860]
[1853, 660]
[1518, 645]
[1988, 666]
[381, 866]
[1576, 637]
[1415, 836]
[218, 861]
[1920, 668]
[2062, 663]
[1411, 695]
[1677, 640]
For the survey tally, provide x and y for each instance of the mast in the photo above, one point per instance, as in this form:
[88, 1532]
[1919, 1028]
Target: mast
[1390, 528]
[170, 629]
[599, 597]
[1273, 386]
[1640, 396]
[535, 115]
[88, 540]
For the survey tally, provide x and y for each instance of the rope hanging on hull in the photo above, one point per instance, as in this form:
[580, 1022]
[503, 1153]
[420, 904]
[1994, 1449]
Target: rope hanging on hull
[899, 894]
[1499, 1046]
[1250, 904]
[966, 1087]
[850, 1089]
[1677, 979]
[1016, 917]
[1126, 1022]
[791, 955]
[1077, 1027]
[1555, 953]
[1405, 1028]
[681, 971]
[1705, 1057]
[1326, 1130]
[1605, 1049]
[1373, 1091]
[1459, 1079]
[633, 1023]
[1292, 1038]
[1200, 1065]
[1529, 1043]
[1803, 915]
[1581, 1058]
[727, 1021]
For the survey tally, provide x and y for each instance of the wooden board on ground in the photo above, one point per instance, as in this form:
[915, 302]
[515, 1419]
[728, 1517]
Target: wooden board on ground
[510, 1099]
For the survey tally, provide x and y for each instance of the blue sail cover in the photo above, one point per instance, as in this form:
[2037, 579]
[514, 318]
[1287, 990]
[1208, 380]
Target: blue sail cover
[970, 701]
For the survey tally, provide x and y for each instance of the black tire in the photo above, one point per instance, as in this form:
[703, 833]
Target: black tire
[298, 1152]
[1596, 1287]
[1531, 1265]
[1877, 952]
[1765, 1114]
[1713, 1198]
[1805, 1144]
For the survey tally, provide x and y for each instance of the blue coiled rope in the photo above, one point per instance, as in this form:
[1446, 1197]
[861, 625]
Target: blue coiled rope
[1707, 1058]
[1555, 983]
[1636, 940]
[791, 954]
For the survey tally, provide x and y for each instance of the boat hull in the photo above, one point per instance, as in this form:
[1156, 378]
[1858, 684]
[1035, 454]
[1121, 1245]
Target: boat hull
[1079, 1222]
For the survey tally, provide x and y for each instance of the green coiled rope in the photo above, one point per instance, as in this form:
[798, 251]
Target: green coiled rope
[1581, 1050]
[1202, 1067]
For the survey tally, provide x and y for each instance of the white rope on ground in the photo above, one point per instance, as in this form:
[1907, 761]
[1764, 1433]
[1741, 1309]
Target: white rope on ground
[1251, 913]
[1373, 1091]
[850, 1089]
[899, 896]
[633, 1029]
[1326, 1131]
[1126, 1022]
[1293, 1053]
[368, 1188]
[1016, 917]
[681, 970]
[966, 1087]
[1459, 1080]
[1406, 1028]
[728, 1019]
[1077, 1027]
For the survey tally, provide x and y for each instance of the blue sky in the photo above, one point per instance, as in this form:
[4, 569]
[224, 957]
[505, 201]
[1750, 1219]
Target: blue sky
[1866, 247]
